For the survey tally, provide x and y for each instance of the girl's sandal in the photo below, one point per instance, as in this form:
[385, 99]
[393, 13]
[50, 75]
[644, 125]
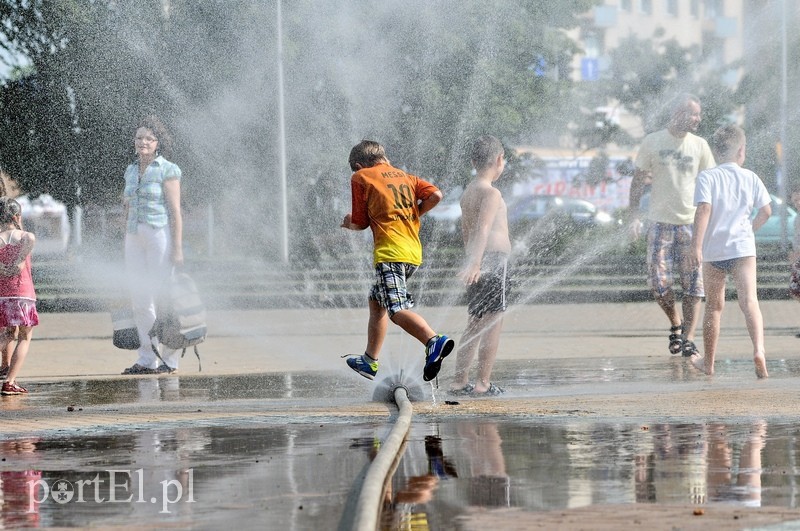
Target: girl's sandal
[676, 339]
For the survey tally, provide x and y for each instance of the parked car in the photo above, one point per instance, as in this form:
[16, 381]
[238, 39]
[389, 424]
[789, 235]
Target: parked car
[547, 225]
[526, 211]
[445, 218]
[46, 218]
[770, 232]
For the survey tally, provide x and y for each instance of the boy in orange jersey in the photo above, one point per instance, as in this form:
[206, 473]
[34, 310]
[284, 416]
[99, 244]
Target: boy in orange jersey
[390, 202]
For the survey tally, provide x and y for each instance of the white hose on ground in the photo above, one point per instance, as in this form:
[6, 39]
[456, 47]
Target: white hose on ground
[369, 500]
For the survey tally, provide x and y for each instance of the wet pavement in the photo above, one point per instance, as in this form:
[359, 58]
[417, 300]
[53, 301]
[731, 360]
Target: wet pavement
[286, 449]
[300, 476]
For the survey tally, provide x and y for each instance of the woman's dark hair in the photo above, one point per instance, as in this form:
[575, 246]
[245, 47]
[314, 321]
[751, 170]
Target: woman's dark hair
[160, 131]
[9, 209]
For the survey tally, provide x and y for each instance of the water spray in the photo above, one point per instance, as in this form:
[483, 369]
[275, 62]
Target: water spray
[415, 390]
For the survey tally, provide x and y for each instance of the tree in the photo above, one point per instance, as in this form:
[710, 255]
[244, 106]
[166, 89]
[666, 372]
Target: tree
[499, 67]
[644, 76]
[423, 78]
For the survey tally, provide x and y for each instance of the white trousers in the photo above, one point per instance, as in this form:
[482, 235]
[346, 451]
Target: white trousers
[148, 266]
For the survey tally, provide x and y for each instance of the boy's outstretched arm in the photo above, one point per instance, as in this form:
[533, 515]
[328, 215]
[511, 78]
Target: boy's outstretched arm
[429, 202]
[476, 236]
[701, 217]
[763, 215]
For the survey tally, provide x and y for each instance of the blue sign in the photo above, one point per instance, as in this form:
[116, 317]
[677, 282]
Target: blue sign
[589, 69]
[540, 67]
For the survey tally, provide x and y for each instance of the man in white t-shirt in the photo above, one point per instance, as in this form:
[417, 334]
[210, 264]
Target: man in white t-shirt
[724, 242]
[669, 160]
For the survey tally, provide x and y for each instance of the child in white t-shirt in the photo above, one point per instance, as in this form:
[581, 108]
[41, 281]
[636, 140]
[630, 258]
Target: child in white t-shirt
[724, 242]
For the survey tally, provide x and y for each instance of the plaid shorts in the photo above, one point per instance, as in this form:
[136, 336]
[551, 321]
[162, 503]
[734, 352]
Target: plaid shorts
[668, 248]
[390, 290]
[794, 281]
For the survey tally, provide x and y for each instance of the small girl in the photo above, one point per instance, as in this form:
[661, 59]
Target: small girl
[17, 297]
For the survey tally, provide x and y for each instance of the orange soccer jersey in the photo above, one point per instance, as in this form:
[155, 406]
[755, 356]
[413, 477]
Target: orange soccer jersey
[386, 199]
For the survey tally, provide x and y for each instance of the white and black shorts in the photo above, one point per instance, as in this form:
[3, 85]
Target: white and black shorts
[390, 289]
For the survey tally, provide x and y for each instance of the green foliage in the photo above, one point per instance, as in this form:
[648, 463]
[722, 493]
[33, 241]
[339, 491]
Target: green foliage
[422, 77]
[644, 77]
[24, 29]
[761, 89]
[49, 155]
[494, 67]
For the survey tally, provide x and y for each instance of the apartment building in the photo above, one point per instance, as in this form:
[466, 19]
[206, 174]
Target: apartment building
[716, 27]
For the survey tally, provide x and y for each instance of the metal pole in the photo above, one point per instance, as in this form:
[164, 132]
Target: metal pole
[282, 144]
[210, 229]
[783, 172]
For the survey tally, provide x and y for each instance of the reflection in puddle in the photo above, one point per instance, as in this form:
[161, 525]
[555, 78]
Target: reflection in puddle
[298, 473]
[537, 467]
[299, 476]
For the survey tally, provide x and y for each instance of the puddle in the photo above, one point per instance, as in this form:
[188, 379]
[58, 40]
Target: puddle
[300, 476]
[521, 378]
[299, 472]
[546, 466]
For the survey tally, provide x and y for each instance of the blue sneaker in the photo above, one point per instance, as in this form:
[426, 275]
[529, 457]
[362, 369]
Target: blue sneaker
[437, 349]
[363, 367]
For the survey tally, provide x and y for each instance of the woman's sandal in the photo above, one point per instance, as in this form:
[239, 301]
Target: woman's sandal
[676, 339]
[139, 369]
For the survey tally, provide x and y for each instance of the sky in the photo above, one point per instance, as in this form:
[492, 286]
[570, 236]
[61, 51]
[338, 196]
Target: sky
[7, 62]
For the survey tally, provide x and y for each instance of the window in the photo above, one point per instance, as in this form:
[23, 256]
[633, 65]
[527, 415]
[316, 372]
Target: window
[591, 45]
[715, 8]
[672, 8]
[625, 5]
[694, 8]
[646, 6]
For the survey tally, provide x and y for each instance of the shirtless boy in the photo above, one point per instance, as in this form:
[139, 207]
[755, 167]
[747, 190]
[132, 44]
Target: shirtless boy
[484, 226]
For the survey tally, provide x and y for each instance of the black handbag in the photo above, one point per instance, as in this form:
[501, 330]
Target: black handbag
[126, 336]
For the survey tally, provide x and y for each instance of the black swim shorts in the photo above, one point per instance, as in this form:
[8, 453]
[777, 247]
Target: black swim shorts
[490, 293]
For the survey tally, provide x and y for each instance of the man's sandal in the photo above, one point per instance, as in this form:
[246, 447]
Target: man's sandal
[462, 391]
[690, 349]
[676, 339]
